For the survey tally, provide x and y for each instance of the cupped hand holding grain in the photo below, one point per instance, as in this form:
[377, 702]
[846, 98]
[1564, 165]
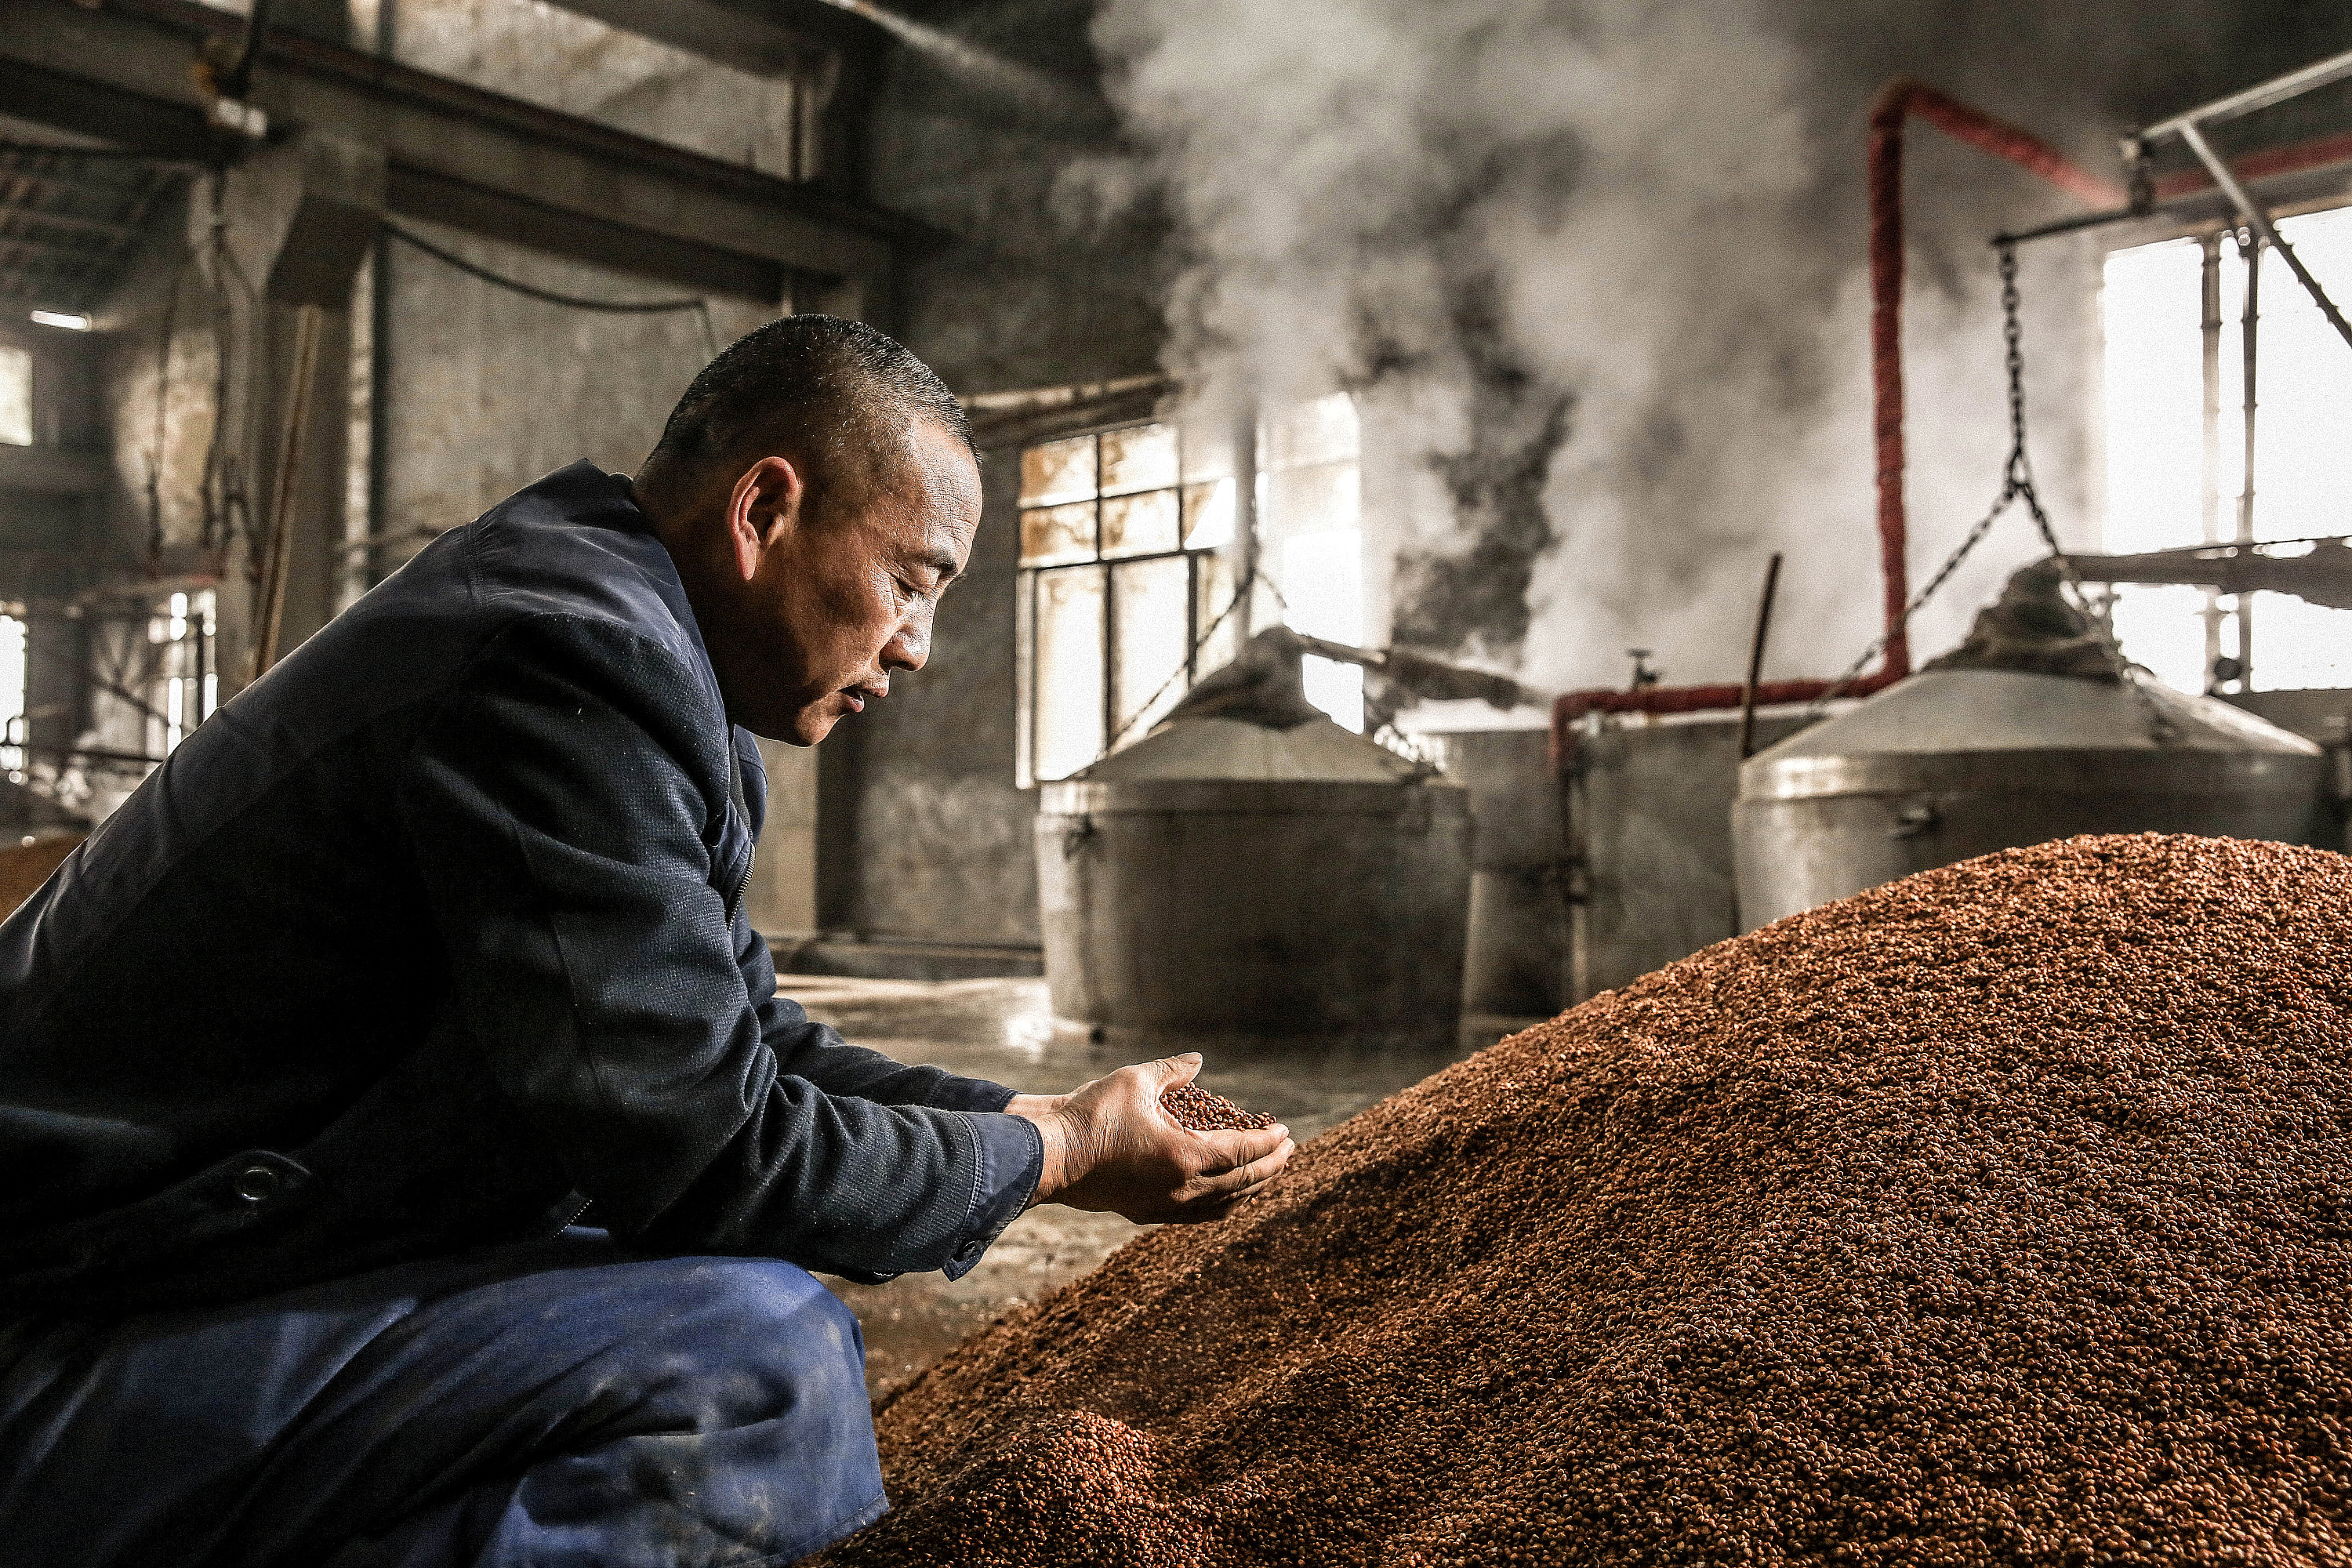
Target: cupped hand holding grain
[1109, 1146]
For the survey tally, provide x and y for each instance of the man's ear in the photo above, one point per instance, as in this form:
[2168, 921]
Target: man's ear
[762, 511]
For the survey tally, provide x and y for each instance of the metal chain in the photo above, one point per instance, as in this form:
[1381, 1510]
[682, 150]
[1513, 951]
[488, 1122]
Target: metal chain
[2016, 486]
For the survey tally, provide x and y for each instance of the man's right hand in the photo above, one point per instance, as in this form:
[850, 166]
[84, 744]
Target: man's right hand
[1109, 1146]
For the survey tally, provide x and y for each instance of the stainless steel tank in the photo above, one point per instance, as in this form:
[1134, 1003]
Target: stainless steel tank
[1955, 763]
[1251, 869]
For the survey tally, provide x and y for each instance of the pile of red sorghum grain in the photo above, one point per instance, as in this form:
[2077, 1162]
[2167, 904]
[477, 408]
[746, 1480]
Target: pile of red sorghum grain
[1190, 1105]
[2003, 1215]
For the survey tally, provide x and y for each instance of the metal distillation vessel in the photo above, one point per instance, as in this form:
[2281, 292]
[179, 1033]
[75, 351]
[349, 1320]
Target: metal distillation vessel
[1250, 869]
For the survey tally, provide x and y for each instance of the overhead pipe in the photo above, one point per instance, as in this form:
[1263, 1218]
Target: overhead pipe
[1897, 101]
[1900, 101]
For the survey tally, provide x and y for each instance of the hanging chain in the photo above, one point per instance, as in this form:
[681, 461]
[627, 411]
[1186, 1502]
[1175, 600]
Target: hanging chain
[2016, 487]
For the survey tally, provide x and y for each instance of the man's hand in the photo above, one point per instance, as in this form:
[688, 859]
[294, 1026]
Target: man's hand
[1109, 1146]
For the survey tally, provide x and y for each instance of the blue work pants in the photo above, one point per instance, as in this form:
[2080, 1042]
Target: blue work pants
[566, 1404]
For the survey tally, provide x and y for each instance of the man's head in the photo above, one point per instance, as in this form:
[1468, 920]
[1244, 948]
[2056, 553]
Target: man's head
[817, 487]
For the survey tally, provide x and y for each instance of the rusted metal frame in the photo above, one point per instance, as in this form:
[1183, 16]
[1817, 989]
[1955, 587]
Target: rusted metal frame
[2190, 126]
[596, 192]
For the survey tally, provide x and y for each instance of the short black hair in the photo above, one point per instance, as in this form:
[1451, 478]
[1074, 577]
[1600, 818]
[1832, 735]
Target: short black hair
[834, 388]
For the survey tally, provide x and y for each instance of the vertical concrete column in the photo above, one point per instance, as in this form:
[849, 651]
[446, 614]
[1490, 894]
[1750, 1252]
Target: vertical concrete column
[298, 219]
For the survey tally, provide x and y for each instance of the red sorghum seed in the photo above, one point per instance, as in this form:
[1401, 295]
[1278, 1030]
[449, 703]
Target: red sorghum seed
[2002, 1215]
[1189, 1105]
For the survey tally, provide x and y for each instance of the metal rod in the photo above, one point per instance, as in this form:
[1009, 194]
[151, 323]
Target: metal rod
[2259, 96]
[2259, 220]
[306, 319]
[239, 80]
[2209, 509]
[2250, 342]
[1756, 660]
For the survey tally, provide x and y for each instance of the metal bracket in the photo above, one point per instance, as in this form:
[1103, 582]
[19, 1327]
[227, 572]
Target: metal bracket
[2191, 129]
[1910, 821]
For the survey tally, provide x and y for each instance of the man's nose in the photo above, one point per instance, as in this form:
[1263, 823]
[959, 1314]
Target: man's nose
[909, 648]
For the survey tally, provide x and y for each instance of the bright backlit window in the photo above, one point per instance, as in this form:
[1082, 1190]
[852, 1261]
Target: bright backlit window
[1132, 541]
[12, 697]
[1310, 517]
[15, 397]
[2176, 477]
[1124, 569]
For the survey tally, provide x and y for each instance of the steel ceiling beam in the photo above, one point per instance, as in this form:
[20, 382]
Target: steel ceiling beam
[490, 165]
[768, 39]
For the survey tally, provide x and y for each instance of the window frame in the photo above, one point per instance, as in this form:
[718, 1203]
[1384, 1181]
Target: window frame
[1028, 623]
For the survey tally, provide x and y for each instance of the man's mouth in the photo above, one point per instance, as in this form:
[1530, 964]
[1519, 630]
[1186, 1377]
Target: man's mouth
[858, 696]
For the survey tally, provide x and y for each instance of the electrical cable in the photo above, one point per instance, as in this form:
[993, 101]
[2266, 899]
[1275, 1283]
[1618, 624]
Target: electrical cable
[701, 308]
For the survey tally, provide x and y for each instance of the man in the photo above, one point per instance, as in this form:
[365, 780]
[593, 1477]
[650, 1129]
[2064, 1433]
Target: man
[408, 1161]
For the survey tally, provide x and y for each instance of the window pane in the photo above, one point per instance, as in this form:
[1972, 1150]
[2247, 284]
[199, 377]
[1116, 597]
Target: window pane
[1323, 580]
[1151, 600]
[1024, 679]
[2302, 431]
[1143, 458]
[1057, 533]
[1135, 524]
[1069, 670]
[1223, 645]
[2299, 645]
[2155, 388]
[1322, 431]
[1310, 501]
[1057, 471]
[1209, 514]
[1209, 452]
[15, 397]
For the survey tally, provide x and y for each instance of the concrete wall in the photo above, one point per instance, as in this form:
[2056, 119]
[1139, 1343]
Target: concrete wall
[927, 836]
[937, 837]
[485, 390]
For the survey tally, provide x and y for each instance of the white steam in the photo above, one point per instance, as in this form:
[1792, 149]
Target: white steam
[1476, 213]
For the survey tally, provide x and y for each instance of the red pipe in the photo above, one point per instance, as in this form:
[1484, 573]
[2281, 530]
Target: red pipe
[2265, 164]
[1571, 706]
[1899, 101]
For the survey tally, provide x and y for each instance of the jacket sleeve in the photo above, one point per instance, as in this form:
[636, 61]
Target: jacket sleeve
[567, 805]
[815, 1051]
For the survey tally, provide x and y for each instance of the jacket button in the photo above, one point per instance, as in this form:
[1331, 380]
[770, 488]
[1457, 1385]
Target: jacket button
[258, 1184]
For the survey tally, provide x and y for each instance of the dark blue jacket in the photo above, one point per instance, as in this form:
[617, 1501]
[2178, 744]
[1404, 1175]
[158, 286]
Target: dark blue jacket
[433, 936]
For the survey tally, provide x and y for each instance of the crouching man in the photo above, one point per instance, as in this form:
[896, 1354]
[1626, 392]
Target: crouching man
[408, 1159]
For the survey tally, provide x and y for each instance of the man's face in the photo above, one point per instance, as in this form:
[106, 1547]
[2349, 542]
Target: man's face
[839, 591]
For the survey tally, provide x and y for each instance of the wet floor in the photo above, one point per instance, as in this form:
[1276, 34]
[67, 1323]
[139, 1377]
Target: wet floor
[1003, 1030]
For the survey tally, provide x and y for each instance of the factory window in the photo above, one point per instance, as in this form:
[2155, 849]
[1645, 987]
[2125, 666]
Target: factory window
[12, 697]
[15, 397]
[1309, 516]
[2178, 470]
[185, 688]
[1122, 575]
[1132, 544]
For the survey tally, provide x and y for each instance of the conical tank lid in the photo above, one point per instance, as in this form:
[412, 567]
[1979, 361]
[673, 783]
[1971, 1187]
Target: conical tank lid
[1316, 752]
[1250, 721]
[1942, 711]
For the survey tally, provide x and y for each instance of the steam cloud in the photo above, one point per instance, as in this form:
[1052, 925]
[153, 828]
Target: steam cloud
[1598, 282]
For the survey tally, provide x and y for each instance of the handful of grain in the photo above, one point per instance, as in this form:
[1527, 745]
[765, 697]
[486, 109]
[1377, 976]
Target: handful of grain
[2000, 1216]
[1187, 1105]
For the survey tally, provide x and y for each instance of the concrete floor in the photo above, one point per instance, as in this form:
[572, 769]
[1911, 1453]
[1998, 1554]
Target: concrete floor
[1002, 1030]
